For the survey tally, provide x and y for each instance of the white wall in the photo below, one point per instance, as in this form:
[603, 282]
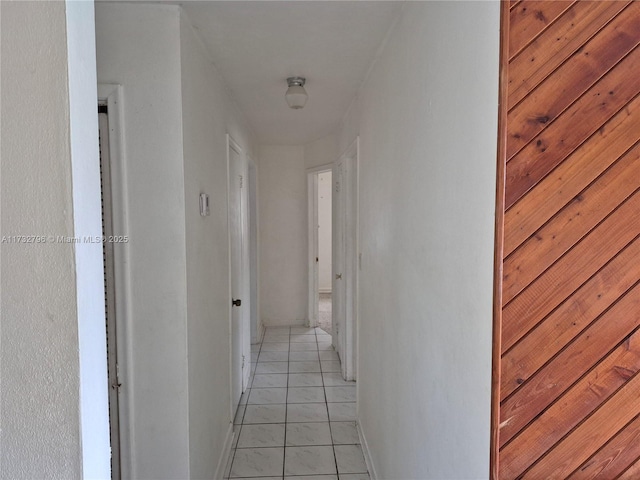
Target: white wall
[324, 232]
[322, 151]
[208, 114]
[427, 119]
[40, 406]
[282, 206]
[177, 113]
[138, 46]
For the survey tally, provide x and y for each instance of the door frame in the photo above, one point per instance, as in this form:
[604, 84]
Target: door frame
[111, 96]
[347, 346]
[494, 445]
[254, 265]
[313, 241]
[245, 326]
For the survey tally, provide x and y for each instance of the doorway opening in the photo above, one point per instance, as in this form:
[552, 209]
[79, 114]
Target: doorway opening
[116, 276]
[109, 289]
[324, 251]
[320, 248]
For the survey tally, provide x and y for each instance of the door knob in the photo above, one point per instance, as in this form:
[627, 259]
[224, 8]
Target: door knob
[236, 303]
[338, 276]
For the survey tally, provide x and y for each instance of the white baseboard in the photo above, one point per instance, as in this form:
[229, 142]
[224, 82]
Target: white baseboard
[226, 453]
[367, 455]
[259, 334]
[260, 331]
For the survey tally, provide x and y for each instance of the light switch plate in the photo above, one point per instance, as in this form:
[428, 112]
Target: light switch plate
[204, 204]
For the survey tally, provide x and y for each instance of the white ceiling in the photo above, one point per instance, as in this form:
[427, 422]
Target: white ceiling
[256, 45]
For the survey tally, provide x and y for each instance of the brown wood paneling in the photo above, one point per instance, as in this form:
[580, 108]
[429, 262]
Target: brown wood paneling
[584, 165]
[632, 473]
[552, 334]
[575, 220]
[582, 261]
[529, 18]
[566, 374]
[555, 144]
[582, 399]
[551, 381]
[543, 104]
[591, 435]
[614, 458]
[557, 44]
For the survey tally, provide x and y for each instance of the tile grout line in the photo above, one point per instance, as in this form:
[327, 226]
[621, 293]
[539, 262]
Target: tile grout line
[326, 402]
[287, 388]
[241, 424]
[286, 409]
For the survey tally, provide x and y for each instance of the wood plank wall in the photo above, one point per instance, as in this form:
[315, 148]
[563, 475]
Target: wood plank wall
[566, 382]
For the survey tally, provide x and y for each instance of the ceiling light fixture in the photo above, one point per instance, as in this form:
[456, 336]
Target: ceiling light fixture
[296, 94]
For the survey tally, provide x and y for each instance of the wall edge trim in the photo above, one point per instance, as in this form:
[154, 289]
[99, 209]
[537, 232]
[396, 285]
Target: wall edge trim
[494, 442]
[368, 459]
[225, 455]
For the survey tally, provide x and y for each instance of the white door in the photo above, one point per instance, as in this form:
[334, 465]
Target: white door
[338, 308]
[345, 252]
[238, 265]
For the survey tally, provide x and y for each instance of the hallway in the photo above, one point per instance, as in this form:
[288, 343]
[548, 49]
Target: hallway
[298, 417]
[402, 104]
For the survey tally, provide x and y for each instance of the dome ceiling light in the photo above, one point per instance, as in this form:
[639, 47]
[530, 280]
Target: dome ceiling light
[296, 94]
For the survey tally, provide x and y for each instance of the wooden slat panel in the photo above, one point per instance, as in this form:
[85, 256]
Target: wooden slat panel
[633, 473]
[529, 18]
[614, 458]
[583, 353]
[533, 64]
[581, 400]
[572, 176]
[576, 125]
[566, 388]
[569, 319]
[590, 435]
[574, 221]
[581, 71]
[587, 257]
[553, 288]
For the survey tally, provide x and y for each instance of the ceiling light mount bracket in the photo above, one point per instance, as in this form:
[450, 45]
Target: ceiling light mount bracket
[297, 81]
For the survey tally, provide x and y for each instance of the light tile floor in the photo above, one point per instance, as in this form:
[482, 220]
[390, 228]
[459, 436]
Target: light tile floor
[297, 421]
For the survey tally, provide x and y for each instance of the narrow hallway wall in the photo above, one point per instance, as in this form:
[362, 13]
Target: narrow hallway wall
[177, 113]
[207, 115]
[40, 406]
[138, 46]
[427, 120]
